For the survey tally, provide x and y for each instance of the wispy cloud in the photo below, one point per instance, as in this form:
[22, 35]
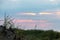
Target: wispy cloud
[29, 20]
[31, 23]
[18, 21]
[27, 13]
[33, 14]
[45, 13]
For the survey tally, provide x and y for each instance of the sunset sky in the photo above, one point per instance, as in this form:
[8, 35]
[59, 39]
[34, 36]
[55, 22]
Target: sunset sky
[28, 13]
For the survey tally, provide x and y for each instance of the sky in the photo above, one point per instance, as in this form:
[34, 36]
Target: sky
[45, 14]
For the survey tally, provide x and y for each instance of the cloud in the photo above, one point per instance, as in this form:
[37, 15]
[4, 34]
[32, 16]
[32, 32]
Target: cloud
[29, 24]
[57, 13]
[29, 20]
[31, 14]
[45, 13]
[35, 14]
[18, 21]
[53, 1]
[45, 25]
[14, 0]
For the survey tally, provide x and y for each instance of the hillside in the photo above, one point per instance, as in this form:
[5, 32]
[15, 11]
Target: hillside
[18, 34]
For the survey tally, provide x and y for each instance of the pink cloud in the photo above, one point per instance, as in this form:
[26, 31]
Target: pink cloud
[21, 20]
[32, 23]
[18, 21]
[42, 21]
[44, 25]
